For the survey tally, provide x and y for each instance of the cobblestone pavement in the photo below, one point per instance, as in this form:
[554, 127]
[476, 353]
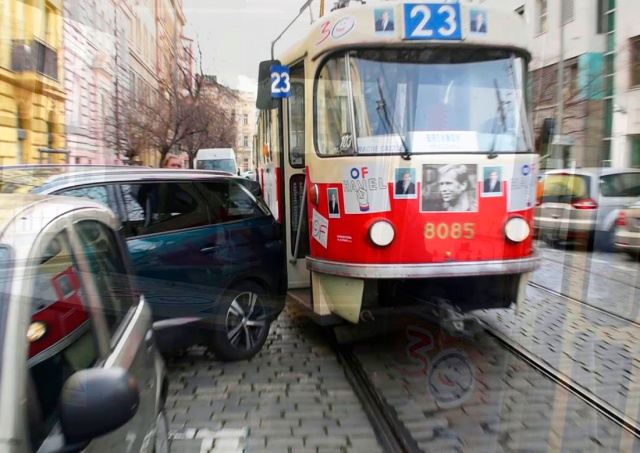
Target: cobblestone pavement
[597, 351]
[292, 396]
[450, 394]
[456, 395]
[610, 281]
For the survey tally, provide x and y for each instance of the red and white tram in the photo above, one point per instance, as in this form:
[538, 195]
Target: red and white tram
[401, 162]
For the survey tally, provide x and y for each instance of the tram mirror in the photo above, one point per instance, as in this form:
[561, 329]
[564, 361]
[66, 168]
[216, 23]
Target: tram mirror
[264, 100]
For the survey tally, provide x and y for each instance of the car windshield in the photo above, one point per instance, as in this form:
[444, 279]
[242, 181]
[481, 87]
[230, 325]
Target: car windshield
[227, 165]
[433, 100]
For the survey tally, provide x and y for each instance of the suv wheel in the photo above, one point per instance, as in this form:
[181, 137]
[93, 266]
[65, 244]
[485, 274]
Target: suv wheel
[245, 323]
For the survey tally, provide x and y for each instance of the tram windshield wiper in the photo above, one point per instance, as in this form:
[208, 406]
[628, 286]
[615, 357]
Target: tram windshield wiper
[388, 124]
[503, 120]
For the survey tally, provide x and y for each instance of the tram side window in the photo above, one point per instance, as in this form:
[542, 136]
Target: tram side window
[333, 125]
[296, 118]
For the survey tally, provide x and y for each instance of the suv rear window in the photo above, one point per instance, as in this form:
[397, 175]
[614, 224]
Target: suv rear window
[565, 187]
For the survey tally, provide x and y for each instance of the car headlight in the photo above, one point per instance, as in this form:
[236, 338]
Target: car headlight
[382, 233]
[517, 229]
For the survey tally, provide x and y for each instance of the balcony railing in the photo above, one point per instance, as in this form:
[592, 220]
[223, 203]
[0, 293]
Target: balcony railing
[36, 56]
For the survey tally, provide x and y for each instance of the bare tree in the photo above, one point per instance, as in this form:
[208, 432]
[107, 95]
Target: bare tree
[184, 114]
[215, 113]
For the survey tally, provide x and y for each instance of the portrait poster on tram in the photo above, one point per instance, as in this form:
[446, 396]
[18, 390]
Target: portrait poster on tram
[365, 189]
[449, 188]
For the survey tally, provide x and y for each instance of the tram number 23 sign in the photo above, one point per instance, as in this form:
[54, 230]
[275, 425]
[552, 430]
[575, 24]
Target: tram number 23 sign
[449, 230]
[280, 82]
[432, 21]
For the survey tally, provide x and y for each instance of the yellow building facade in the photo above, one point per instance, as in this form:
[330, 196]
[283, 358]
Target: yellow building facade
[31, 82]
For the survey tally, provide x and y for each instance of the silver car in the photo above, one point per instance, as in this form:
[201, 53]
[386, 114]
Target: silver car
[584, 204]
[79, 370]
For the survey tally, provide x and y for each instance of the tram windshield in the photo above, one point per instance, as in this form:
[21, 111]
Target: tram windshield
[428, 100]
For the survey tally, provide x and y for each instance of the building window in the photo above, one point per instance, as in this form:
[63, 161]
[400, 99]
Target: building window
[542, 16]
[245, 141]
[635, 61]
[567, 11]
[571, 80]
[601, 17]
[245, 119]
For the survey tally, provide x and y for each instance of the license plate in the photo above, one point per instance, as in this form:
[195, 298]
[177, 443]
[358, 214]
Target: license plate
[554, 205]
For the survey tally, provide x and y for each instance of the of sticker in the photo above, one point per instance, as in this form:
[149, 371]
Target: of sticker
[342, 238]
[365, 190]
[343, 27]
[523, 188]
[320, 230]
[449, 188]
[492, 182]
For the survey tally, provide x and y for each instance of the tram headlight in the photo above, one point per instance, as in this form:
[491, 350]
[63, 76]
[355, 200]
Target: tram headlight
[517, 229]
[382, 233]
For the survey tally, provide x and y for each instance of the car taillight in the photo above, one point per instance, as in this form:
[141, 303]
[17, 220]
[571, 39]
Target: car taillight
[586, 203]
[622, 220]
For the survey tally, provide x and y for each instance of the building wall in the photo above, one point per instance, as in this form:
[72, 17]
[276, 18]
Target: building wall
[246, 129]
[31, 119]
[583, 91]
[90, 37]
[626, 102]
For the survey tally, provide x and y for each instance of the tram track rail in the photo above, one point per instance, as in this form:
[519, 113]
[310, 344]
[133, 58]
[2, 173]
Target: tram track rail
[560, 378]
[582, 302]
[567, 383]
[391, 433]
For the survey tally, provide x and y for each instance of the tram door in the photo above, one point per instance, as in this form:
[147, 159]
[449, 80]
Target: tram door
[297, 227]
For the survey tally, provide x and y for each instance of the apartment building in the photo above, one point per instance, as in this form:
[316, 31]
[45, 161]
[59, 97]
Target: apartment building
[571, 30]
[31, 120]
[622, 25]
[96, 44]
[246, 121]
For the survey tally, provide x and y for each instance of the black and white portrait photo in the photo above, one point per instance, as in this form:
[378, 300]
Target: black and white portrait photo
[449, 188]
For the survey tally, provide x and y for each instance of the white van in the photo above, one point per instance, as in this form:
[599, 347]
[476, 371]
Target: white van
[223, 159]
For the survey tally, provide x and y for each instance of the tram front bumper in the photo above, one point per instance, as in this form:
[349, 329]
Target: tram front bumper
[425, 270]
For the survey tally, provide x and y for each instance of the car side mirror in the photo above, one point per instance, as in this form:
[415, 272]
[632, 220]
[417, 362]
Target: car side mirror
[95, 402]
[252, 186]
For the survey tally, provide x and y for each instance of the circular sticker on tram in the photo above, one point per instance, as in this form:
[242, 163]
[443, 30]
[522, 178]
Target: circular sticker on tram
[342, 27]
[452, 379]
[526, 169]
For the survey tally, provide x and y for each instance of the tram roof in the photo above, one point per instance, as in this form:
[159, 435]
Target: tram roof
[354, 26]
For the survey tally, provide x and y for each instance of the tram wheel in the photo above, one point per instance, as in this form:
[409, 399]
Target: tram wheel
[245, 323]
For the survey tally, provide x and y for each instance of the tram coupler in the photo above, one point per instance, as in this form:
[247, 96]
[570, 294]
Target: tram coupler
[456, 323]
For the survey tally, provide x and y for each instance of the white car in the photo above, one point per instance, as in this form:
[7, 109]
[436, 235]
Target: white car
[79, 370]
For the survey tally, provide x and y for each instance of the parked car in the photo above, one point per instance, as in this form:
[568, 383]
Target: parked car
[628, 230]
[79, 370]
[584, 203]
[207, 251]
